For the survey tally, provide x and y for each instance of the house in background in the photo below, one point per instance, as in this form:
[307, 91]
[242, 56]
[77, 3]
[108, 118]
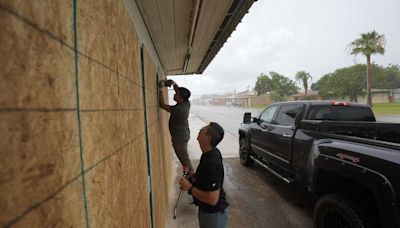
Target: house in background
[378, 96]
[311, 95]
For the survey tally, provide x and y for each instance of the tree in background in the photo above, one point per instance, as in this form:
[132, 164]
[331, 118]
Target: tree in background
[303, 77]
[392, 76]
[347, 81]
[351, 81]
[278, 85]
[322, 87]
[368, 44]
[262, 84]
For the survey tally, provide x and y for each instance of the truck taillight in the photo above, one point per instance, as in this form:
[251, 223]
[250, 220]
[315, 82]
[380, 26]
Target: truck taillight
[340, 103]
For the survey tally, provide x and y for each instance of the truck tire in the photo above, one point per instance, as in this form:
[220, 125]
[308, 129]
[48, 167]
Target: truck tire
[334, 211]
[244, 153]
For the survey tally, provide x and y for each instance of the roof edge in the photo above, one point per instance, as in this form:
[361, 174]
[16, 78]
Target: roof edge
[234, 16]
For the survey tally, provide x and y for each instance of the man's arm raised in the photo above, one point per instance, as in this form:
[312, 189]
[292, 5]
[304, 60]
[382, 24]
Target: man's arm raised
[162, 102]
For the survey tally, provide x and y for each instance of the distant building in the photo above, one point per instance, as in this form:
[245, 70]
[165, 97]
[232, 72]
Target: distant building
[249, 98]
[311, 95]
[378, 96]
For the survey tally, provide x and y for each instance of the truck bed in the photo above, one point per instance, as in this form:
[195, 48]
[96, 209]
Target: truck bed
[387, 133]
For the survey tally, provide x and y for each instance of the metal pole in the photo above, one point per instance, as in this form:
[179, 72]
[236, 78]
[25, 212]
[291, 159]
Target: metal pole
[176, 204]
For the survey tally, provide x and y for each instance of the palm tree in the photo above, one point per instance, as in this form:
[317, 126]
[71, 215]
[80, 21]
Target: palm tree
[303, 77]
[368, 44]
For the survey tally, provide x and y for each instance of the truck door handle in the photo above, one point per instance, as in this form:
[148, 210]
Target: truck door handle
[287, 135]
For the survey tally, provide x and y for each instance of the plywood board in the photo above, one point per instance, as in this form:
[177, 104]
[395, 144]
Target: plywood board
[42, 151]
[52, 17]
[106, 132]
[63, 210]
[128, 52]
[117, 189]
[36, 71]
[158, 164]
[40, 120]
[159, 186]
[102, 89]
[107, 36]
[164, 133]
[151, 82]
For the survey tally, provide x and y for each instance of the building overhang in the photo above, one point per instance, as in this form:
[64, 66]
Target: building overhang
[187, 34]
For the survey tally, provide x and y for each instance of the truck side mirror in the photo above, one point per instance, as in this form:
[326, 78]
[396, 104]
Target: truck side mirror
[247, 117]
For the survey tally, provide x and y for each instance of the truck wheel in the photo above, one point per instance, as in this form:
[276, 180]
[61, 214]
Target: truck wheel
[334, 211]
[244, 153]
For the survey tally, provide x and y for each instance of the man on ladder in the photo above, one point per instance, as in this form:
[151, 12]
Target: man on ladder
[178, 122]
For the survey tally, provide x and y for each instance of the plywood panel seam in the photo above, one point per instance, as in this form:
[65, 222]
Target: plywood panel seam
[10, 109]
[40, 203]
[113, 153]
[35, 26]
[146, 127]
[84, 193]
[112, 110]
[51, 196]
[55, 38]
[109, 68]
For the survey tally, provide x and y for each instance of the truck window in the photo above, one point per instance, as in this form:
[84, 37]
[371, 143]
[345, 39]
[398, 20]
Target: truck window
[340, 113]
[268, 114]
[287, 114]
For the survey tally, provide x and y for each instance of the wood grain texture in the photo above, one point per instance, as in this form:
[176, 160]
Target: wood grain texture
[63, 210]
[159, 161]
[42, 155]
[117, 189]
[36, 71]
[106, 132]
[52, 16]
[103, 89]
[40, 180]
[107, 35]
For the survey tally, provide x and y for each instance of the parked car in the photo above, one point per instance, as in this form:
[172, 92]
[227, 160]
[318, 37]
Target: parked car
[337, 151]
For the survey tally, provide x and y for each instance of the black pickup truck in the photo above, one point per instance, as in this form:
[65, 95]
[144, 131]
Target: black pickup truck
[337, 151]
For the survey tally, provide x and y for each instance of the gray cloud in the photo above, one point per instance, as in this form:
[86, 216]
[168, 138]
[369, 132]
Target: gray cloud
[287, 36]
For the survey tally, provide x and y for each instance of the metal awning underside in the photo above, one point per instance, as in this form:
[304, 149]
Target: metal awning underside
[187, 34]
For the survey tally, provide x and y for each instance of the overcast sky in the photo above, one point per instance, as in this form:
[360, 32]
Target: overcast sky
[287, 36]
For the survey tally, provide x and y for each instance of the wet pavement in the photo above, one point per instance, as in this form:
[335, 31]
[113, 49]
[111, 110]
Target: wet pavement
[256, 197]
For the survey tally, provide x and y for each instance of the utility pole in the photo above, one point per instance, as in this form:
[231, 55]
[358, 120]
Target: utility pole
[234, 97]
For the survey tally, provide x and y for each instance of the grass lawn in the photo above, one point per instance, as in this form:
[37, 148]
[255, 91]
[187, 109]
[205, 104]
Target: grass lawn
[386, 109]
